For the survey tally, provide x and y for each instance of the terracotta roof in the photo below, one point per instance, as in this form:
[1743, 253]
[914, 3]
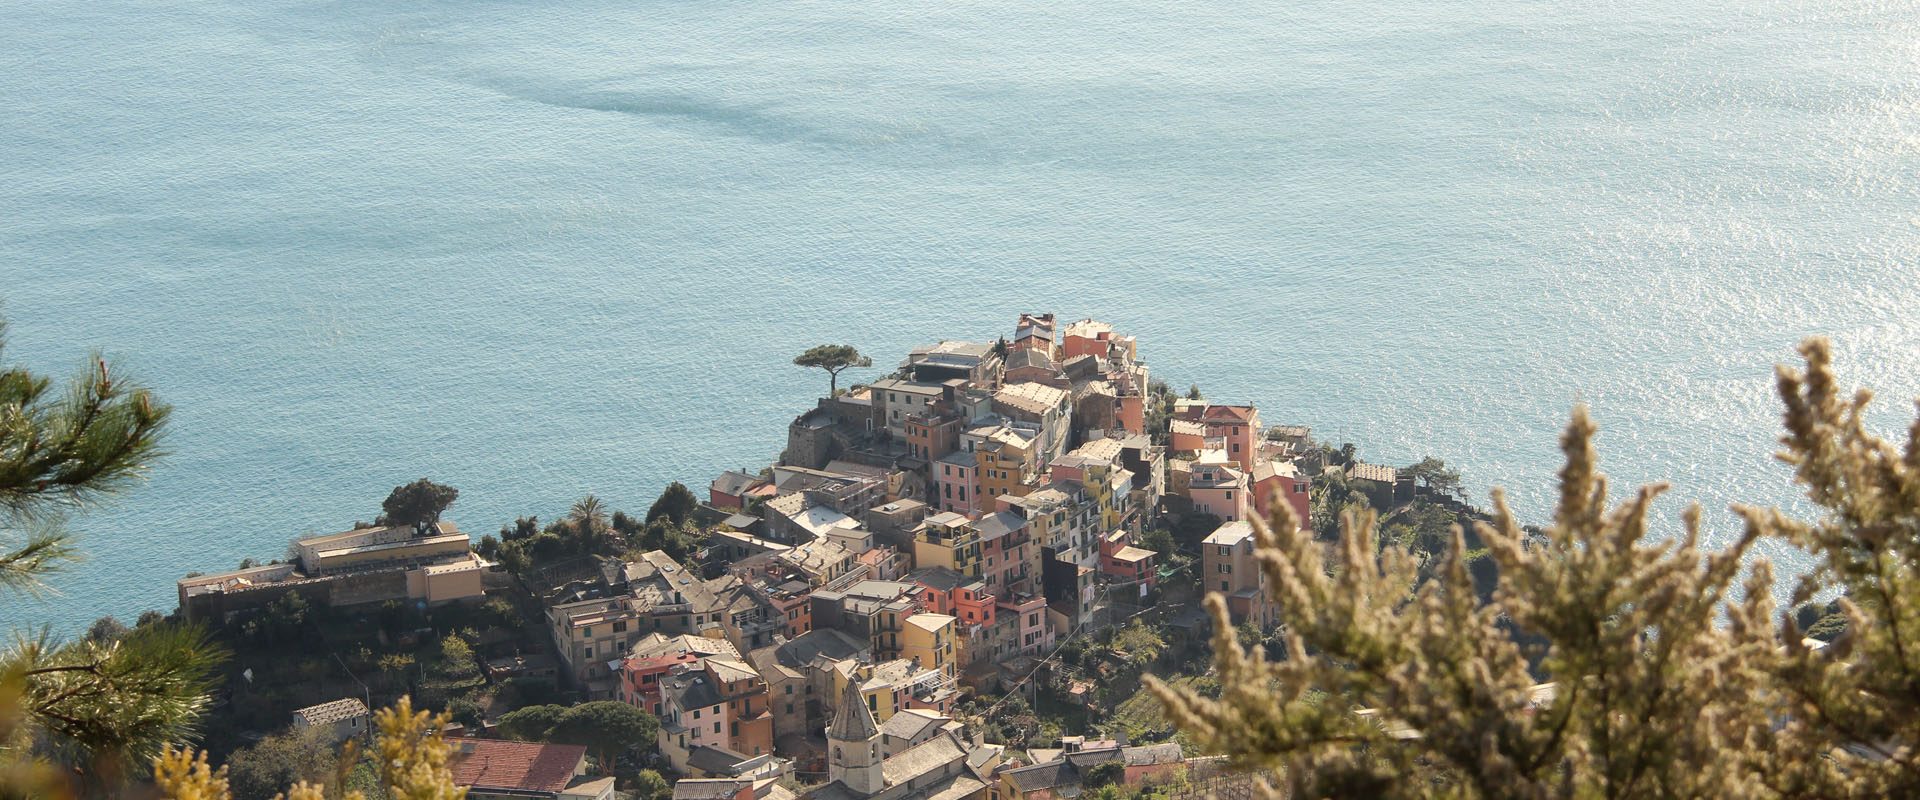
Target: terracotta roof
[1241, 413]
[526, 766]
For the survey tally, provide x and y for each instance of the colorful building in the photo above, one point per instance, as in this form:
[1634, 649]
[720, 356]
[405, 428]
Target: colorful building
[1228, 567]
[956, 482]
[928, 641]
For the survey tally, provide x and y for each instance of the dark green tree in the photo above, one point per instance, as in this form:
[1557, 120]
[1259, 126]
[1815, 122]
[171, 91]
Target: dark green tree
[1104, 774]
[106, 629]
[102, 707]
[417, 502]
[1434, 473]
[834, 358]
[609, 727]
[677, 541]
[649, 785]
[676, 503]
[1159, 540]
[265, 769]
[522, 528]
[531, 724]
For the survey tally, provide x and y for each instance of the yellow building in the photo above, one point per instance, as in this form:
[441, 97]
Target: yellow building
[386, 545]
[1008, 462]
[884, 686]
[432, 564]
[1053, 519]
[928, 640]
[948, 540]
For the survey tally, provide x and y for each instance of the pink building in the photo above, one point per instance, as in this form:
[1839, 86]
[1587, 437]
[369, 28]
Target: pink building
[964, 598]
[1239, 426]
[1218, 487]
[1009, 560]
[1031, 632]
[1280, 480]
[956, 483]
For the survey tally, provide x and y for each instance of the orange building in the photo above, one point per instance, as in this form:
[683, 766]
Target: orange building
[933, 433]
[749, 712]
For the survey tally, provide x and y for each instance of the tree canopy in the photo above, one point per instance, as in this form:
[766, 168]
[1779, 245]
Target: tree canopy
[1434, 473]
[1607, 662]
[676, 503]
[266, 768]
[418, 502]
[834, 358]
[608, 726]
[412, 758]
[103, 705]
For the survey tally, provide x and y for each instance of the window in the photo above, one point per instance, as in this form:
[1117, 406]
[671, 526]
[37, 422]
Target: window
[620, 627]
[696, 713]
[1226, 549]
[589, 652]
[1223, 586]
[1226, 569]
[789, 691]
[716, 727]
[586, 632]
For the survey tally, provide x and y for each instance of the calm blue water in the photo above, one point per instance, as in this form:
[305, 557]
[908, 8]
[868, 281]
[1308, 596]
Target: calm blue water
[540, 249]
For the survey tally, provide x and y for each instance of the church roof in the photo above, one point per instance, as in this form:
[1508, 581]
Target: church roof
[853, 721]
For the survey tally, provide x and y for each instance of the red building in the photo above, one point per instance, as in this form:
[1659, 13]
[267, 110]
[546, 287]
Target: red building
[948, 592]
[1122, 562]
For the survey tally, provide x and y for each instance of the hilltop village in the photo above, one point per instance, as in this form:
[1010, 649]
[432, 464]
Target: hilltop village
[946, 588]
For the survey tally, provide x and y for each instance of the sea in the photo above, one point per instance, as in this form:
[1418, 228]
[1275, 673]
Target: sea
[537, 250]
